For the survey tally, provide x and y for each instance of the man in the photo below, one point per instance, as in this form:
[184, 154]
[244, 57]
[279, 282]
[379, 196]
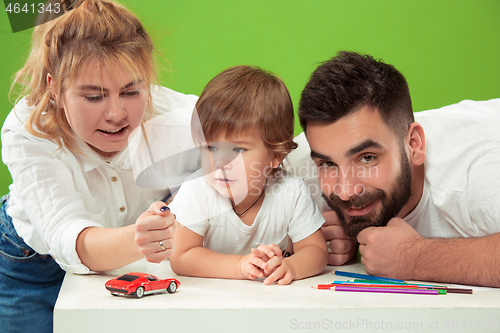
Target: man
[421, 198]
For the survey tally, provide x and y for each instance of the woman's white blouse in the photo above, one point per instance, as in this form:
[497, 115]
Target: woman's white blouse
[56, 194]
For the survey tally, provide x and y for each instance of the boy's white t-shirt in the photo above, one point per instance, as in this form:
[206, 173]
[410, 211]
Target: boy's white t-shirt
[287, 211]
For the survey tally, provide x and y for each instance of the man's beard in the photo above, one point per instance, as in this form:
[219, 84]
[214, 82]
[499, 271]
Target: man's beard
[391, 205]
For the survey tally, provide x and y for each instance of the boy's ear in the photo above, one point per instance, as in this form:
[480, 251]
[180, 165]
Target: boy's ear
[416, 144]
[276, 160]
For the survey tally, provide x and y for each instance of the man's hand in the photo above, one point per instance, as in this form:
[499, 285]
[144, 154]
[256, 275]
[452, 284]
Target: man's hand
[154, 226]
[341, 248]
[390, 251]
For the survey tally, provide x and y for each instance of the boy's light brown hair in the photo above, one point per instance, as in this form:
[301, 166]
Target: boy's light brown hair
[242, 99]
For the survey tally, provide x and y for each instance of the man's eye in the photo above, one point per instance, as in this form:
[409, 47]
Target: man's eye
[326, 164]
[367, 158]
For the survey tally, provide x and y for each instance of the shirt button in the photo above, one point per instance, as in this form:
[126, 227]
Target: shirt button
[122, 208]
[114, 179]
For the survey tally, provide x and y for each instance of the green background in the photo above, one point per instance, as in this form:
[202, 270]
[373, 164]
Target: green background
[448, 49]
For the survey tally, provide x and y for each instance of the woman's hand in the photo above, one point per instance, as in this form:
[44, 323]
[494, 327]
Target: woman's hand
[153, 232]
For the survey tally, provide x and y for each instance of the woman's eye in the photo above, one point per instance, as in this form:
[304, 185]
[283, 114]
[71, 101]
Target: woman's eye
[239, 150]
[211, 148]
[93, 98]
[132, 93]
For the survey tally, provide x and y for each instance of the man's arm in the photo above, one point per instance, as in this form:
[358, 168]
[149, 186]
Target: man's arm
[398, 251]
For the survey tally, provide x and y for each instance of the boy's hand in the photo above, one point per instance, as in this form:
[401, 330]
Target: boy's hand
[282, 271]
[254, 265]
[154, 226]
[251, 267]
[275, 267]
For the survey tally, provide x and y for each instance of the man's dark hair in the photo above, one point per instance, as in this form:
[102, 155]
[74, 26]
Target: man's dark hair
[350, 81]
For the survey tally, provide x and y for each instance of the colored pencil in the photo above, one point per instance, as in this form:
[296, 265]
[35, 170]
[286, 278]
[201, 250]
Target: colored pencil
[376, 284]
[367, 277]
[376, 281]
[391, 290]
[323, 286]
[428, 286]
[365, 285]
[457, 290]
[418, 284]
[363, 278]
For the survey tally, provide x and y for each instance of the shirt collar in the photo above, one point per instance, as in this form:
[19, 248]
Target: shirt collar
[92, 160]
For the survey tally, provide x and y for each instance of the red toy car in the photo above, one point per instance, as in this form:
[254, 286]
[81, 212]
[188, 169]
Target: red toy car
[140, 284]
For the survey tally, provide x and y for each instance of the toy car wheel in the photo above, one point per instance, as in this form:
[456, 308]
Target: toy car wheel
[172, 287]
[139, 292]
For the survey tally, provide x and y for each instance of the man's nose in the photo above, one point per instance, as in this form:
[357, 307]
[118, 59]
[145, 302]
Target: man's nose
[348, 185]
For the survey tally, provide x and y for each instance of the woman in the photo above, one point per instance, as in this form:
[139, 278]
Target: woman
[74, 201]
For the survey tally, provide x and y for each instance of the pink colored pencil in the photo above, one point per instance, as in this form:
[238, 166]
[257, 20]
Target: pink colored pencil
[330, 286]
[388, 290]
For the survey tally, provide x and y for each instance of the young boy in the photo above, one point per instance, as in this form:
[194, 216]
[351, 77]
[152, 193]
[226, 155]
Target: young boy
[238, 213]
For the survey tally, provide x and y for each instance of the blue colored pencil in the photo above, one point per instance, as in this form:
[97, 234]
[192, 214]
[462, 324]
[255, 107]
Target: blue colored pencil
[367, 277]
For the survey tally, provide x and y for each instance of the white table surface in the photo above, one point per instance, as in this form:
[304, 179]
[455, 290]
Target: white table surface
[216, 305]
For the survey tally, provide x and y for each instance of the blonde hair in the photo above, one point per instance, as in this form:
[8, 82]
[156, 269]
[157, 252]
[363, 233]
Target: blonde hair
[244, 98]
[101, 31]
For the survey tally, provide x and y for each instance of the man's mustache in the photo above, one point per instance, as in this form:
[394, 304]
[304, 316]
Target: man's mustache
[356, 201]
